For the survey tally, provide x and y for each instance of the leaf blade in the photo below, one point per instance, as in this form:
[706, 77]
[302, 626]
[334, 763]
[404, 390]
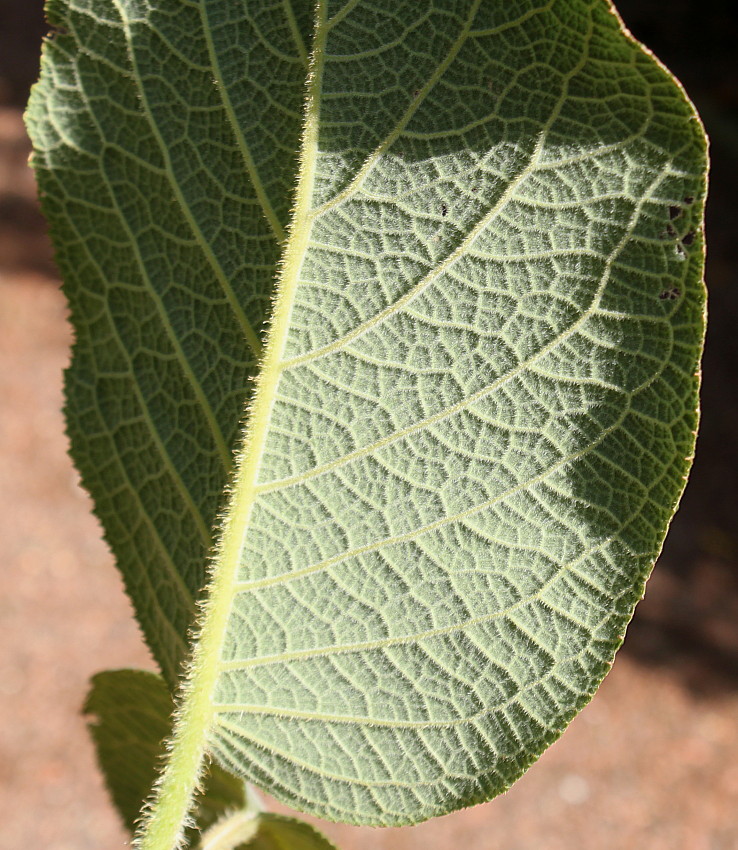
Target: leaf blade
[476, 408]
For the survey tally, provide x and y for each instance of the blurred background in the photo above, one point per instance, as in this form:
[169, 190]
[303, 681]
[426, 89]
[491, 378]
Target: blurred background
[651, 763]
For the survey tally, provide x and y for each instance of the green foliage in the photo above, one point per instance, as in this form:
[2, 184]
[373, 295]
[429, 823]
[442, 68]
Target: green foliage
[278, 832]
[131, 711]
[131, 721]
[476, 402]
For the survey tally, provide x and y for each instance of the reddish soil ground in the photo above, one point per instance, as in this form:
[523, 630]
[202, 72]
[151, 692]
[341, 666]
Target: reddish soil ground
[651, 763]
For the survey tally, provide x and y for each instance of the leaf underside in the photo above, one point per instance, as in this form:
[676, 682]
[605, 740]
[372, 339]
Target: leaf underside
[483, 406]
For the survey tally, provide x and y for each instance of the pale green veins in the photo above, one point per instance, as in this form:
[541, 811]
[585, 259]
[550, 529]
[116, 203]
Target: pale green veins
[445, 242]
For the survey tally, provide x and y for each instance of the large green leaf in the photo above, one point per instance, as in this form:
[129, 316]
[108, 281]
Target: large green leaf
[165, 150]
[477, 402]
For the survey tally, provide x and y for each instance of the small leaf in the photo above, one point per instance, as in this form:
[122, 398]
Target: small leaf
[131, 711]
[263, 831]
[279, 832]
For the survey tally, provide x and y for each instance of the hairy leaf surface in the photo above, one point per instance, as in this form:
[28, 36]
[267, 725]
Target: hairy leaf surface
[476, 406]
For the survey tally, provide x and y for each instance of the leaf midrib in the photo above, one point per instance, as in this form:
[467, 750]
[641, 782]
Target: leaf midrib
[195, 717]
